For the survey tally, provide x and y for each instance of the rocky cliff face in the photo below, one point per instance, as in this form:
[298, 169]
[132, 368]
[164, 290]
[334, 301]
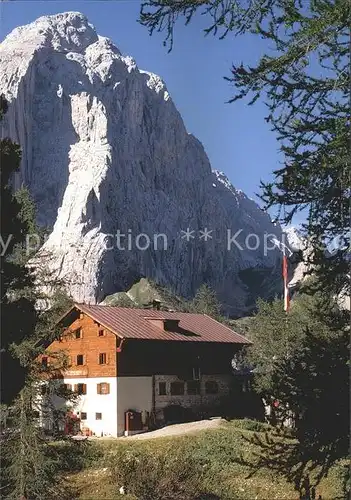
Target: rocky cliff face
[106, 154]
[299, 245]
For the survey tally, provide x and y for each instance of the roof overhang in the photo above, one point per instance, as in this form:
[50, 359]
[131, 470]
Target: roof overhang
[72, 314]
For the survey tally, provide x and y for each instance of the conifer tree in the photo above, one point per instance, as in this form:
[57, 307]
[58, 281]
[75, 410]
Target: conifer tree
[18, 314]
[206, 302]
[31, 467]
[301, 360]
[29, 464]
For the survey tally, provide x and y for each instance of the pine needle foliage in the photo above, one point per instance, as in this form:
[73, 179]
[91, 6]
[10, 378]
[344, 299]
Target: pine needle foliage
[301, 360]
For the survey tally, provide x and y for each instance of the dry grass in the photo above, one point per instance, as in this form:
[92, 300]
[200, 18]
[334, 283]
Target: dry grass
[222, 458]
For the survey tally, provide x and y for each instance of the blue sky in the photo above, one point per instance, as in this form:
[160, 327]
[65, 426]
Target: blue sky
[235, 136]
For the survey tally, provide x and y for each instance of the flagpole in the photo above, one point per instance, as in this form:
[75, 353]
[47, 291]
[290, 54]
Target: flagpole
[285, 281]
[283, 248]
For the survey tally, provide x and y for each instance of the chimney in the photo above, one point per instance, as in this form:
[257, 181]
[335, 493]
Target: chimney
[156, 304]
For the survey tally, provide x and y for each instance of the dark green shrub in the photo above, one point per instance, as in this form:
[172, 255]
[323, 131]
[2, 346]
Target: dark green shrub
[77, 455]
[252, 425]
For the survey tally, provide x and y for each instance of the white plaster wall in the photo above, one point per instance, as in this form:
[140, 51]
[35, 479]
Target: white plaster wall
[92, 403]
[134, 393]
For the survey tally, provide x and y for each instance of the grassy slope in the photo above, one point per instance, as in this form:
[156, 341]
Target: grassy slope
[222, 453]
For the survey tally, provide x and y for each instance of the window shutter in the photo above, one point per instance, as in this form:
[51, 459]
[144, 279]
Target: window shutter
[107, 389]
[98, 388]
[84, 388]
[75, 387]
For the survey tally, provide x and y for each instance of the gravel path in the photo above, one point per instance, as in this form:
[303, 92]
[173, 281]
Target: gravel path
[180, 429]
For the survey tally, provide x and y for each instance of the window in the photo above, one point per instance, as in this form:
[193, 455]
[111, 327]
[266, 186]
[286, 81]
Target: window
[177, 388]
[80, 389]
[246, 386]
[103, 388]
[98, 416]
[101, 332]
[44, 361]
[193, 387]
[80, 359]
[83, 415]
[78, 333]
[162, 389]
[102, 358]
[196, 373]
[211, 387]
[67, 387]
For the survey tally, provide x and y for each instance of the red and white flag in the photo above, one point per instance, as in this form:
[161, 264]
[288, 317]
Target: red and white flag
[285, 279]
[284, 249]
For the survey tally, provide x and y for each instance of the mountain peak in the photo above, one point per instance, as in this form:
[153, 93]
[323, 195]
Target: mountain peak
[126, 191]
[68, 31]
[296, 240]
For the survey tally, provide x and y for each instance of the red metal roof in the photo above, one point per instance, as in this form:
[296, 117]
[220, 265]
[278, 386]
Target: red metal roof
[135, 324]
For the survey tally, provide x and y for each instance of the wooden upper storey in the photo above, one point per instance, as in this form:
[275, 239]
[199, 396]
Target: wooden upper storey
[103, 341]
[91, 349]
